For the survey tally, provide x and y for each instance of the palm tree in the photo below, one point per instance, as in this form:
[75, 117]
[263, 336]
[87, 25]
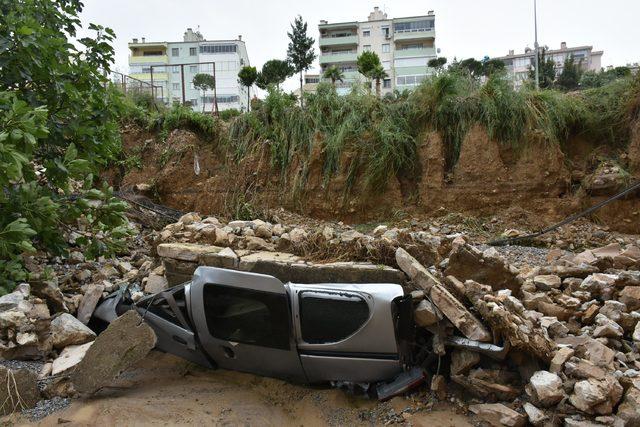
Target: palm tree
[334, 74]
[378, 73]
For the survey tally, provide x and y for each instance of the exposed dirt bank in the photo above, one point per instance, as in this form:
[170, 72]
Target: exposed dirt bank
[167, 390]
[188, 173]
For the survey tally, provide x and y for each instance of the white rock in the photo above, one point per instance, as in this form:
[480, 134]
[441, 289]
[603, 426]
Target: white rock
[537, 417]
[297, 235]
[545, 388]
[67, 330]
[155, 283]
[69, 357]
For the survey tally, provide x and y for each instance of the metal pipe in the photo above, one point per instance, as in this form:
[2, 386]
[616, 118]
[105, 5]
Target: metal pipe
[535, 20]
[182, 78]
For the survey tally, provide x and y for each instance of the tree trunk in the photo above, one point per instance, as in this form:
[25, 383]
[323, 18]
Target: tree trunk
[301, 97]
[248, 99]
[378, 87]
[203, 100]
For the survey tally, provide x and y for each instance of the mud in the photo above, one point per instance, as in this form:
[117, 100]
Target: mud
[163, 389]
[540, 179]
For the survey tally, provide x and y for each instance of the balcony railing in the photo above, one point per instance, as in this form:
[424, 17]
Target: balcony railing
[417, 34]
[410, 53]
[327, 58]
[150, 59]
[336, 41]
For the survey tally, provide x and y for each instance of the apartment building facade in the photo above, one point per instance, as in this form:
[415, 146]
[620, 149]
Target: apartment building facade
[173, 65]
[404, 45]
[519, 64]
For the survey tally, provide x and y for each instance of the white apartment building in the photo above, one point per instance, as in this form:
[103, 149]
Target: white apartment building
[172, 66]
[404, 45]
[519, 64]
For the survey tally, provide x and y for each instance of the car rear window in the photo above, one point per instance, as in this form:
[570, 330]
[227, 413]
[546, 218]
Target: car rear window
[247, 316]
[327, 316]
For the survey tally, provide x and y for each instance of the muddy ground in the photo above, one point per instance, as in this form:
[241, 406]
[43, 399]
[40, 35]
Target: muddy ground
[166, 390]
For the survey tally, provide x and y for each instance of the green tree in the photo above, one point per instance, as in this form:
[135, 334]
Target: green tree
[547, 75]
[58, 125]
[491, 66]
[204, 82]
[437, 63]
[334, 74]
[569, 78]
[367, 62]
[247, 77]
[274, 72]
[378, 74]
[300, 52]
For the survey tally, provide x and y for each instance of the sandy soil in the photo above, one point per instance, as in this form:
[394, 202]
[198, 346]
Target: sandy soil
[165, 390]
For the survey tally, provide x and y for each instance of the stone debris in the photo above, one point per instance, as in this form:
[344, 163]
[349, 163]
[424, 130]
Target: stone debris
[497, 414]
[19, 390]
[67, 330]
[126, 341]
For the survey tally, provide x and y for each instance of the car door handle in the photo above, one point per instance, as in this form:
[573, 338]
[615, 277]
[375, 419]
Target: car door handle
[228, 352]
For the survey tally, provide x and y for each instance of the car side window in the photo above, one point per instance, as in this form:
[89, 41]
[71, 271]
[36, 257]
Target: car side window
[247, 316]
[330, 316]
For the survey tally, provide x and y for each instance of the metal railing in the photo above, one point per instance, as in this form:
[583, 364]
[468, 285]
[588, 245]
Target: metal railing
[131, 85]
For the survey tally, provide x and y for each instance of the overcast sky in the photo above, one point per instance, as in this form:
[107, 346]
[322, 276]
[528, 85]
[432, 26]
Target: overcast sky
[464, 28]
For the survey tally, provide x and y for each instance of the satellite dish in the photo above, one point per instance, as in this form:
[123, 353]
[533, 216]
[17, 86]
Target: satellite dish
[438, 51]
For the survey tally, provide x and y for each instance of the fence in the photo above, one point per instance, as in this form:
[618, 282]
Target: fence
[131, 85]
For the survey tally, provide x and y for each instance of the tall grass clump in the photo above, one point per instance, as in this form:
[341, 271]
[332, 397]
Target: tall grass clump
[183, 117]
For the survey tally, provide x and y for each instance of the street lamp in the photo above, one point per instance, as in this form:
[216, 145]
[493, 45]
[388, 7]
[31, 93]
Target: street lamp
[535, 20]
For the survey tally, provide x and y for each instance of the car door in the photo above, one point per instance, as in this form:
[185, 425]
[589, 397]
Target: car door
[345, 332]
[244, 322]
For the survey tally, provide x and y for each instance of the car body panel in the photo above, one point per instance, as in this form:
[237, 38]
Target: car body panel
[233, 354]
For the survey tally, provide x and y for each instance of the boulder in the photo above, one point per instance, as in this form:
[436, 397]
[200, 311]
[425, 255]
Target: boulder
[67, 330]
[463, 360]
[155, 283]
[630, 296]
[69, 357]
[547, 282]
[537, 417]
[258, 244]
[607, 328]
[263, 231]
[498, 415]
[468, 263]
[426, 314]
[19, 390]
[126, 340]
[297, 236]
[595, 396]
[89, 301]
[545, 388]
[629, 409]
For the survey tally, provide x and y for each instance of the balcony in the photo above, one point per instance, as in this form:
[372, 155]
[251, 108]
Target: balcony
[152, 59]
[414, 35]
[157, 77]
[338, 41]
[330, 58]
[412, 53]
[338, 26]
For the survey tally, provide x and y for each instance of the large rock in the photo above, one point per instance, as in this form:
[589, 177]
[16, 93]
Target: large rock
[629, 409]
[126, 341]
[19, 390]
[69, 357]
[88, 302]
[155, 283]
[468, 263]
[545, 388]
[426, 314]
[498, 415]
[537, 417]
[630, 296]
[67, 330]
[463, 360]
[596, 396]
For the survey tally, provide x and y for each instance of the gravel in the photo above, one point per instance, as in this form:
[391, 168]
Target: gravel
[45, 408]
[21, 364]
[520, 256]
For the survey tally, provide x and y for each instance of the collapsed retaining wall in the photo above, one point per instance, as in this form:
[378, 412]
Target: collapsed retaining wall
[539, 180]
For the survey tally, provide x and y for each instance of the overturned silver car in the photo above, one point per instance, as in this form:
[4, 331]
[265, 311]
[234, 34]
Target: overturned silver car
[311, 333]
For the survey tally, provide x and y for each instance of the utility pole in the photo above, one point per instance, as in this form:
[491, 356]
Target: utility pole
[535, 21]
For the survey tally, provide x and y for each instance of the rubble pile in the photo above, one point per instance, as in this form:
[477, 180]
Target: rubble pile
[571, 326]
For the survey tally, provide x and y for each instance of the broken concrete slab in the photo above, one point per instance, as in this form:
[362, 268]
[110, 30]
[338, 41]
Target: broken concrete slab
[69, 357]
[67, 330]
[469, 263]
[19, 390]
[498, 415]
[155, 283]
[416, 271]
[89, 301]
[126, 341]
[185, 251]
[458, 314]
[426, 314]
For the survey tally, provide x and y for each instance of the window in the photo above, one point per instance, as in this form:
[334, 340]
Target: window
[222, 99]
[146, 69]
[385, 32]
[366, 47]
[176, 69]
[386, 65]
[152, 53]
[176, 86]
[407, 27]
[386, 83]
[327, 317]
[194, 101]
[218, 48]
[411, 46]
[366, 33]
[386, 48]
[193, 51]
[193, 68]
[247, 316]
[175, 51]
